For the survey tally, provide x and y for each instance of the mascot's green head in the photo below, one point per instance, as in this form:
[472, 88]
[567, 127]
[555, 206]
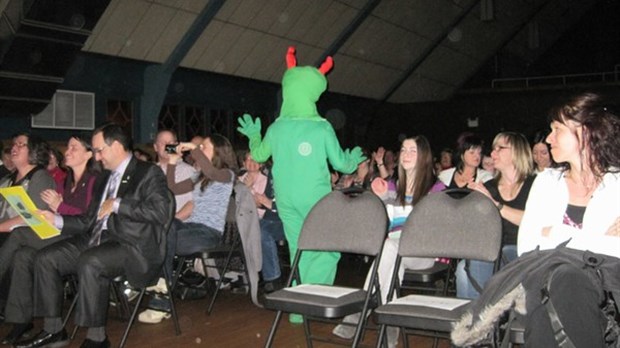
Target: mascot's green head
[302, 87]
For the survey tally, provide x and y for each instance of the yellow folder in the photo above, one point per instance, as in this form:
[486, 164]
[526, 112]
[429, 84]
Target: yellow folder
[23, 205]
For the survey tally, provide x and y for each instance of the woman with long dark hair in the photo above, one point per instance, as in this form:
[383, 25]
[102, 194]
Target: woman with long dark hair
[578, 203]
[416, 179]
[76, 193]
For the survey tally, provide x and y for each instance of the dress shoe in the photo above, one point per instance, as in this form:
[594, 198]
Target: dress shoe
[16, 333]
[45, 339]
[88, 343]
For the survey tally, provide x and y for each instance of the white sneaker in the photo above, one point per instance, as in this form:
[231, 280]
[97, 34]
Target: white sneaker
[151, 316]
[392, 336]
[347, 331]
[159, 288]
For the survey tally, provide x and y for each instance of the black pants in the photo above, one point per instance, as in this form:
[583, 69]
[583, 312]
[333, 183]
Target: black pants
[95, 267]
[577, 302]
[16, 270]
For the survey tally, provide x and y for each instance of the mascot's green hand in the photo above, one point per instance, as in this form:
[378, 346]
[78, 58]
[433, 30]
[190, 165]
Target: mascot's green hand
[248, 127]
[356, 156]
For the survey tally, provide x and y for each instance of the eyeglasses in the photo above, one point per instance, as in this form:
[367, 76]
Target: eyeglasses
[20, 145]
[499, 148]
[97, 150]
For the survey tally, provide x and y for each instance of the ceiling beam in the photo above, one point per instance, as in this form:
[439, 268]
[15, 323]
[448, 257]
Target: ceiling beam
[427, 52]
[157, 77]
[349, 30]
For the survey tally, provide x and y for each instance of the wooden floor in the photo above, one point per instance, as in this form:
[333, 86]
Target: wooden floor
[234, 322]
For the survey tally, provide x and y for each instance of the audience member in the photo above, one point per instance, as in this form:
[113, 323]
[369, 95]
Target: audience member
[182, 172]
[74, 198]
[360, 179]
[30, 155]
[487, 162]
[541, 152]
[416, 180]
[577, 202]
[468, 156]
[119, 236]
[142, 155]
[56, 167]
[210, 196]
[445, 158]
[271, 227]
[7, 166]
[509, 190]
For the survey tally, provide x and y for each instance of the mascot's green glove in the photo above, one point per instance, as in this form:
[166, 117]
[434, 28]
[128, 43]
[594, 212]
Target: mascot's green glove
[248, 127]
[355, 155]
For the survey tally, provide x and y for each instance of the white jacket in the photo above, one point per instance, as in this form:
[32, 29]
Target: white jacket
[547, 204]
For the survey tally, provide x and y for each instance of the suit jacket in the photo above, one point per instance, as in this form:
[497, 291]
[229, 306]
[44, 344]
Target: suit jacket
[139, 224]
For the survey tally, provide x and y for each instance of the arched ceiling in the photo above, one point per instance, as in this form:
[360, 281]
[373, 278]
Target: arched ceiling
[400, 51]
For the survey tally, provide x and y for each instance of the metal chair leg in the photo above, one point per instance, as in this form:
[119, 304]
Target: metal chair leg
[272, 331]
[132, 318]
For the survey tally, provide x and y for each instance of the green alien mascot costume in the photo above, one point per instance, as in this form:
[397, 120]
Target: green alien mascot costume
[301, 142]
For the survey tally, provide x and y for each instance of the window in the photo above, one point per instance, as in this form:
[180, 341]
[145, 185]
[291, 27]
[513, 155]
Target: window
[67, 110]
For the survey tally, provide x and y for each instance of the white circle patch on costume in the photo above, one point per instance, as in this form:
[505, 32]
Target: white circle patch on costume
[304, 149]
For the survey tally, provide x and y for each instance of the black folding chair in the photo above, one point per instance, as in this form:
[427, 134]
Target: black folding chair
[440, 226]
[363, 231]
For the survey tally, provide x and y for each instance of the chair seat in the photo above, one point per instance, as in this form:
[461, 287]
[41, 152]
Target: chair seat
[316, 305]
[418, 317]
[429, 275]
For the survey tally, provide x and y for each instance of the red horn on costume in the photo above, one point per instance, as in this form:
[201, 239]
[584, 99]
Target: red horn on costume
[327, 65]
[291, 61]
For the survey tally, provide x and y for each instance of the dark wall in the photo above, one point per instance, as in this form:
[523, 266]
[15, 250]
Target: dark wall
[524, 112]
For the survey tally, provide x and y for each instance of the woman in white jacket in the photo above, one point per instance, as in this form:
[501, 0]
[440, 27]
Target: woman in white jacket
[577, 202]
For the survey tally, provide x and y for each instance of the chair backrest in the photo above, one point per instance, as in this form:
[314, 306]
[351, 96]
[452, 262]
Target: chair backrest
[441, 225]
[347, 223]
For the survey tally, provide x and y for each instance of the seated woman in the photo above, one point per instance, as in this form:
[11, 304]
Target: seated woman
[576, 202]
[509, 190]
[416, 180]
[271, 227]
[73, 197]
[205, 226]
[30, 155]
[468, 155]
[541, 152]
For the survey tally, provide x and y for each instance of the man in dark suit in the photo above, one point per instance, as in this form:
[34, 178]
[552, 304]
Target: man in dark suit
[133, 210]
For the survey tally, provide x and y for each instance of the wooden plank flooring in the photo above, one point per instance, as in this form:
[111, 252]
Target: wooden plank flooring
[234, 322]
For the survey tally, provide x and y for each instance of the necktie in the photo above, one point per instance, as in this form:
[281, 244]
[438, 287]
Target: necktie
[101, 224]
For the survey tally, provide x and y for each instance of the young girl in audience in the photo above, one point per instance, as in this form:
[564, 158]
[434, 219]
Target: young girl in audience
[416, 180]
[509, 190]
[577, 202]
[468, 155]
[205, 226]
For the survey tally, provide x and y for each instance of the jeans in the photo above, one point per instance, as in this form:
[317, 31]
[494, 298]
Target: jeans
[185, 238]
[480, 271]
[271, 231]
